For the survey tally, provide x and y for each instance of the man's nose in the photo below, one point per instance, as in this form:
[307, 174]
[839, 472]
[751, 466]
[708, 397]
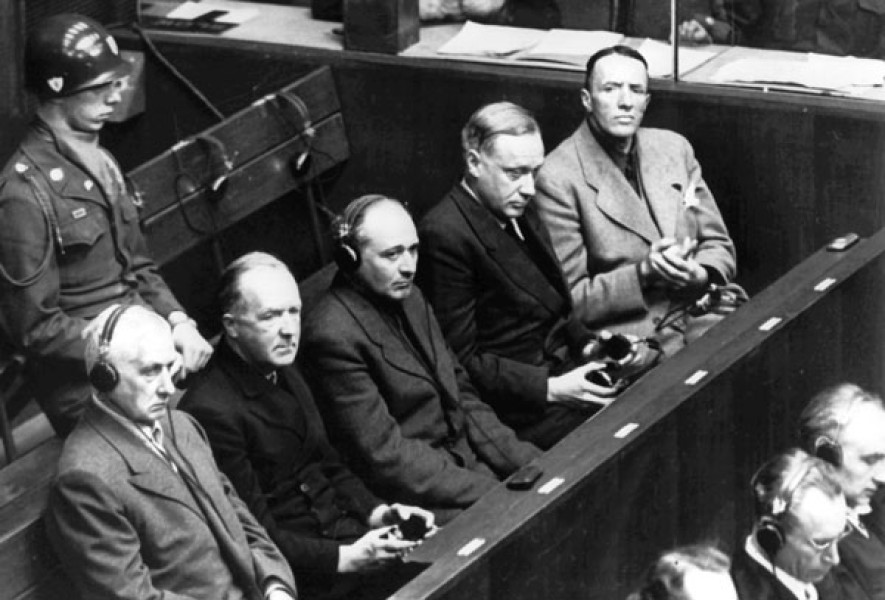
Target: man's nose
[167, 383]
[527, 185]
[289, 324]
[408, 263]
[832, 554]
[625, 98]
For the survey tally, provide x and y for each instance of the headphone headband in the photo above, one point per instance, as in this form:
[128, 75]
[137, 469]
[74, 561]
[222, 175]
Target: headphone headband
[104, 376]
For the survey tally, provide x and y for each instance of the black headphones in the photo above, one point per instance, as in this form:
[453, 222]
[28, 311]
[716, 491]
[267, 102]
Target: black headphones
[346, 252]
[300, 163]
[770, 534]
[103, 375]
[825, 446]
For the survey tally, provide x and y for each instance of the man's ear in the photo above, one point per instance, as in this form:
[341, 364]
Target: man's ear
[227, 321]
[473, 160]
[586, 100]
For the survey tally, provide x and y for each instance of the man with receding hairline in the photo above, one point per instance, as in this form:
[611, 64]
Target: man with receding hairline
[138, 508]
[635, 226]
[845, 425]
[268, 438]
[398, 402]
[489, 269]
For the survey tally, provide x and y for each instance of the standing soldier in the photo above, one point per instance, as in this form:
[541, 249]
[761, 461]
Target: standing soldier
[70, 242]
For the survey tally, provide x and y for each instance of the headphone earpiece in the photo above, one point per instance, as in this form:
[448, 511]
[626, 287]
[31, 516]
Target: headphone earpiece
[220, 166]
[770, 535]
[103, 375]
[300, 163]
[346, 256]
[829, 450]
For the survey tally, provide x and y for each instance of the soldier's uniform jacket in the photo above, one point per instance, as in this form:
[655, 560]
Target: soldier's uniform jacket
[70, 245]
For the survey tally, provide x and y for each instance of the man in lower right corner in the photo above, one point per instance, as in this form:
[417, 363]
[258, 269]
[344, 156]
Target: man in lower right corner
[800, 514]
[845, 426]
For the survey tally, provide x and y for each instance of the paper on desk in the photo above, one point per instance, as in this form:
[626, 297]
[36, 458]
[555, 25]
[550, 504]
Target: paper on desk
[475, 39]
[812, 71]
[193, 10]
[570, 45]
[660, 58]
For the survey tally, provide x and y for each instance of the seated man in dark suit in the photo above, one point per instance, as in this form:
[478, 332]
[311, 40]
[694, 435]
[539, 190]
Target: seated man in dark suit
[490, 272]
[399, 402]
[845, 426]
[688, 573]
[636, 229]
[800, 519]
[139, 509]
[268, 438]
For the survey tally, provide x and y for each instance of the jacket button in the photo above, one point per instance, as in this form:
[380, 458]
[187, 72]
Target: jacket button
[304, 488]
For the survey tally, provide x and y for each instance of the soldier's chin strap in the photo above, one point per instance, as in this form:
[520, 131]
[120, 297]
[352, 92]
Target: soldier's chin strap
[53, 232]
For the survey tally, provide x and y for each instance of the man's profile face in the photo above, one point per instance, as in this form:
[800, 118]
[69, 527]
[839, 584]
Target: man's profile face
[265, 325]
[699, 584]
[88, 110]
[618, 95]
[862, 439]
[504, 173]
[388, 250]
[813, 531]
[146, 365]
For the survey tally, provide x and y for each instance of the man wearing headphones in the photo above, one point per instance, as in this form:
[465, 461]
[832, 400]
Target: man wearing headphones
[845, 426]
[800, 518]
[268, 438]
[399, 403]
[138, 508]
[70, 239]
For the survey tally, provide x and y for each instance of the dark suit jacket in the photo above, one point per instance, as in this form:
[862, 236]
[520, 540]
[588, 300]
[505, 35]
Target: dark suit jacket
[270, 441]
[413, 436]
[864, 557]
[506, 312]
[126, 526]
[754, 582]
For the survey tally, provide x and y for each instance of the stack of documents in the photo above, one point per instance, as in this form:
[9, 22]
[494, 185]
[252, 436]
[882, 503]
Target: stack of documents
[812, 71]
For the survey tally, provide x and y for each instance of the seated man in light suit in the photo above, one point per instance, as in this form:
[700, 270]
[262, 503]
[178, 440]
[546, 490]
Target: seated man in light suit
[635, 227]
[268, 438]
[398, 402]
[801, 516]
[490, 272]
[845, 426]
[139, 508]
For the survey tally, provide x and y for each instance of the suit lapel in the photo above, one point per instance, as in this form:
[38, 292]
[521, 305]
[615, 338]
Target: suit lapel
[662, 189]
[199, 475]
[614, 195]
[377, 329]
[265, 401]
[148, 472]
[505, 251]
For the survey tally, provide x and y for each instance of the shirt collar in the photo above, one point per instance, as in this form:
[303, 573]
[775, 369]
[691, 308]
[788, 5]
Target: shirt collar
[142, 431]
[500, 223]
[800, 589]
[854, 517]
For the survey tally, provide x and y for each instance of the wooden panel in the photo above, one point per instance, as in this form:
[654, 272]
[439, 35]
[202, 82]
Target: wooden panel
[681, 475]
[183, 225]
[246, 135]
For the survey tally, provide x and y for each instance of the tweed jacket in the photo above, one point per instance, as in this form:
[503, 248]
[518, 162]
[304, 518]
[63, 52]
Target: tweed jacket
[601, 228]
[413, 435]
[125, 525]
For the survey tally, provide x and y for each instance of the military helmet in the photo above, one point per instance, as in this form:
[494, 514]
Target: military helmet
[67, 53]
